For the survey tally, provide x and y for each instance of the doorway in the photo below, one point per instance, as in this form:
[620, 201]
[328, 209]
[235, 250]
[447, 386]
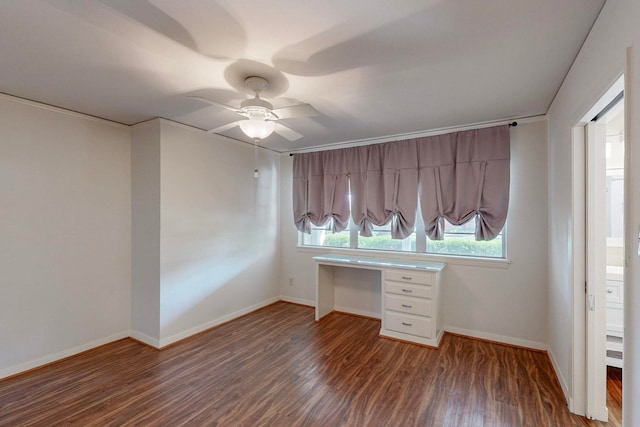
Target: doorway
[614, 143]
[598, 251]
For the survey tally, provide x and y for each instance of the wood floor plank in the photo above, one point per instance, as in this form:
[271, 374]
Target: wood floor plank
[277, 367]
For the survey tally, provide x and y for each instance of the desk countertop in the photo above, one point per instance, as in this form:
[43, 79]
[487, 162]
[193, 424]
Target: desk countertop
[378, 262]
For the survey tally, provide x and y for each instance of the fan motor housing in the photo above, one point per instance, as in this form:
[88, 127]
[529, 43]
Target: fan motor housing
[256, 103]
[256, 84]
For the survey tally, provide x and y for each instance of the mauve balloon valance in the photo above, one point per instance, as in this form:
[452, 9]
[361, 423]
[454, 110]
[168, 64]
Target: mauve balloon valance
[457, 176]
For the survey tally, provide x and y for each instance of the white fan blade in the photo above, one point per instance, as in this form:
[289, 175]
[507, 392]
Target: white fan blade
[222, 128]
[300, 110]
[287, 133]
[225, 106]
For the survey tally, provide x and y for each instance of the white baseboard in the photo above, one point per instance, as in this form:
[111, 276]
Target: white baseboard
[210, 324]
[561, 380]
[535, 345]
[13, 370]
[300, 301]
[150, 341]
[351, 310]
[145, 339]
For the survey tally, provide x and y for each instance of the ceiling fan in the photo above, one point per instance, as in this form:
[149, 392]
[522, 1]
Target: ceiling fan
[261, 119]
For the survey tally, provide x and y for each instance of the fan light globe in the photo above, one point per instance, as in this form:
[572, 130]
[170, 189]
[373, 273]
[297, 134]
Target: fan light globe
[257, 129]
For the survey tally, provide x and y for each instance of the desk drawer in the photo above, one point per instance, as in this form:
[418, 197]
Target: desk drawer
[417, 306]
[419, 277]
[615, 319]
[408, 324]
[614, 291]
[420, 291]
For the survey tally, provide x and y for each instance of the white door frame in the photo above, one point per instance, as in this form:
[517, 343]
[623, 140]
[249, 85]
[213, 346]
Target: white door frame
[596, 372]
[578, 373]
[577, 402]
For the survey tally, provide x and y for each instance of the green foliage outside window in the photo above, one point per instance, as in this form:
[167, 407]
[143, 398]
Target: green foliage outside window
[458, 240]
[337, 240]
[466, 246]
[451, 245]
[374, 242]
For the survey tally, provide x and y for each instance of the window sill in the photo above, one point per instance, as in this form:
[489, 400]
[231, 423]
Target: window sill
[448, 259]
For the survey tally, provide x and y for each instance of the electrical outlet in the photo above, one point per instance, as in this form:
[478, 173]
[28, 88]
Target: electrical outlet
[290, 281]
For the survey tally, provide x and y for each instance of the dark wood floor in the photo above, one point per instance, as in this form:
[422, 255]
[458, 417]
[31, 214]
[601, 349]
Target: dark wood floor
[277, 367]
[614, 396]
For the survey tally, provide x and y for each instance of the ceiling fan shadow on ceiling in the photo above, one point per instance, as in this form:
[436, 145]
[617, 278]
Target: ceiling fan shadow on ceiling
[261, 119]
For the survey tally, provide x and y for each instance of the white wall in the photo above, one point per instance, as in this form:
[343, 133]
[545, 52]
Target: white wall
[204, 243]
[145, 241]
[484, 300]
[215, 226]
[65, 242]
[600, 62]
[219, 240]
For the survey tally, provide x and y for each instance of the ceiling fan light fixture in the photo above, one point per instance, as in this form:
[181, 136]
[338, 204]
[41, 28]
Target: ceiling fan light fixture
[257, 129]
[260, 117]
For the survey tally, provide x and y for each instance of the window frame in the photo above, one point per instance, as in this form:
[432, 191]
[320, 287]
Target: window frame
[421, 245]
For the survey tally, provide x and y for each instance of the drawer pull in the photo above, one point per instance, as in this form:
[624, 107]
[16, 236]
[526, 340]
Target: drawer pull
[407, 324]
[407, 277]
[407, 291]
[406, 305]
[609, 291]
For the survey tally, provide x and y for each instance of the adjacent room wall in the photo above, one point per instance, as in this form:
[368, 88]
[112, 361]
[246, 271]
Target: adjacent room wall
[597, 67]
[65, 245]
[483, 300]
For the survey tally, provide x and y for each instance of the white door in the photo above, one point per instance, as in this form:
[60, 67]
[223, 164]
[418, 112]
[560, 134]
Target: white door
[596, 375]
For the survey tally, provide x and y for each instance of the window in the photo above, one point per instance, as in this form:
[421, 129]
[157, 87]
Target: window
[381, 240]
[458, 241]
[323, 236]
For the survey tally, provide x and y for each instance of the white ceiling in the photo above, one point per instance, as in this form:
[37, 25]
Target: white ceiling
[371, 69]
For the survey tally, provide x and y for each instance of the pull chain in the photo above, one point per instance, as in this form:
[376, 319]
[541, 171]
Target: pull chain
[255, 158]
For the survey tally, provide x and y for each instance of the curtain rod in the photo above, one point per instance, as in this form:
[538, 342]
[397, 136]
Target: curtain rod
[512, 124]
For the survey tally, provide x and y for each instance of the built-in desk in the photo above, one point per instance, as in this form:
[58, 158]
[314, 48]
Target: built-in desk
[410, 295]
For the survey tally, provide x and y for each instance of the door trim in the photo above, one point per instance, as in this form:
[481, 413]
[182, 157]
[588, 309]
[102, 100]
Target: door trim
[596, 361]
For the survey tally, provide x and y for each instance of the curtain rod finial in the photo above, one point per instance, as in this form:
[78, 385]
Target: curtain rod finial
[513, 124]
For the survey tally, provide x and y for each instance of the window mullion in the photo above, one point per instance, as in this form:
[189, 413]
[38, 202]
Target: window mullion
[421, 234]
[504, 240]
[353, 235]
